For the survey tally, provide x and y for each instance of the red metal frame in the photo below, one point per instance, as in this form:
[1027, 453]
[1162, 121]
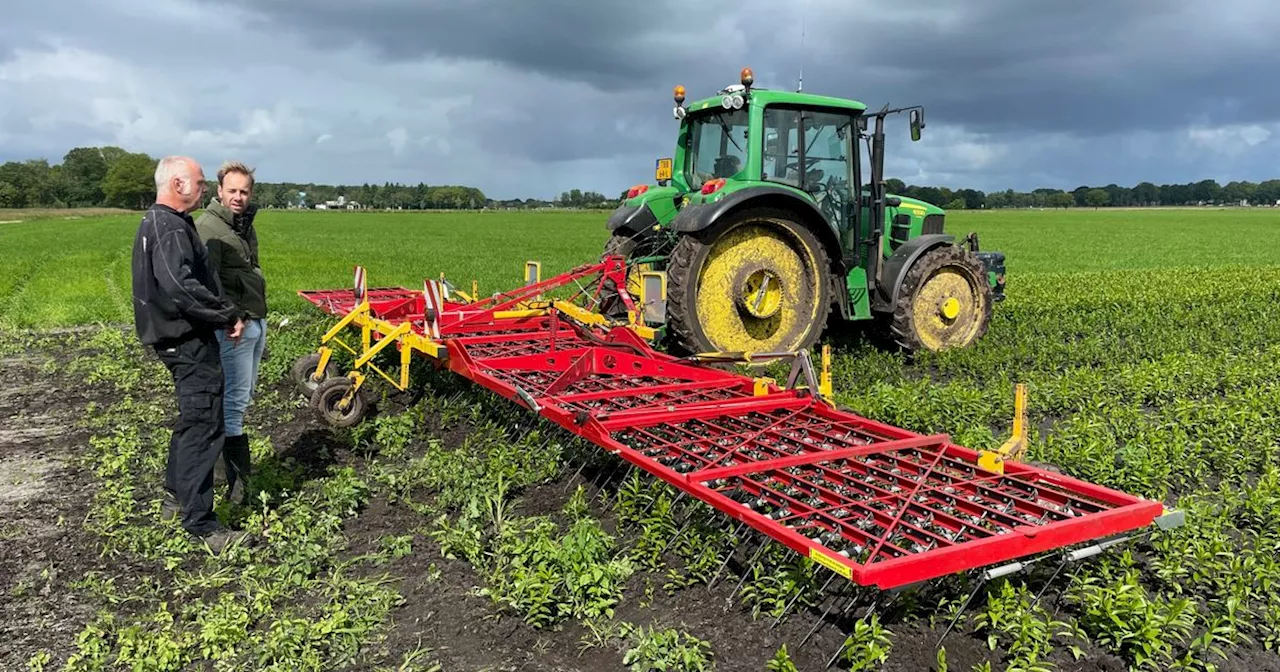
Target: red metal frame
[879, 504]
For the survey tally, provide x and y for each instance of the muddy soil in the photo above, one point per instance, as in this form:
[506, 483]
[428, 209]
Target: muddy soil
[44, 496]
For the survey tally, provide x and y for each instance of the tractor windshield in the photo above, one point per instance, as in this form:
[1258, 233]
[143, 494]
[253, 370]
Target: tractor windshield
[717, 146]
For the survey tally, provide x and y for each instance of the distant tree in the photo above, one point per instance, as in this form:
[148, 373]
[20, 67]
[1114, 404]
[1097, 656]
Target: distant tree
[131, 182]
[1268, 192]
[1146, 193]
[9, 196]
[1097, 198]
[84, 168]
[1206, 190]
[955, 204]
[1060, 199]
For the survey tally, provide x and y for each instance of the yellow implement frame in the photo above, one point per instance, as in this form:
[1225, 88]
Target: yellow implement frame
[387, 333]
[1013, 448]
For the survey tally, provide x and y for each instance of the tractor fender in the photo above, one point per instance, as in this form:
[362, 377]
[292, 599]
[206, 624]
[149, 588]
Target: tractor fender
[895, 267]
[703, 216]
[632, 218]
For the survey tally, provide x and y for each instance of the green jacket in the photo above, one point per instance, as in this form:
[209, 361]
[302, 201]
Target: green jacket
[233, 254]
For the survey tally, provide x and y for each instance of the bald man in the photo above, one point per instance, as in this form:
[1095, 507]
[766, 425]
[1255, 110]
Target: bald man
[177, 308]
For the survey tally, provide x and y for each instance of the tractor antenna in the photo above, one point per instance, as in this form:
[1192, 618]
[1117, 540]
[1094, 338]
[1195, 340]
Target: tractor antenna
[800, 83]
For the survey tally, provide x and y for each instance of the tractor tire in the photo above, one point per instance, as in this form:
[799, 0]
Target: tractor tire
[758, 282]
[944, 303]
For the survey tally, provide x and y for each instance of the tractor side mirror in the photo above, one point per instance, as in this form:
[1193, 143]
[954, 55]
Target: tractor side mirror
[917, 123]
[861, 123]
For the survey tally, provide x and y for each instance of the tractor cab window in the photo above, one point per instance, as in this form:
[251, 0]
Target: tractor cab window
[822, 164]
[717, 146]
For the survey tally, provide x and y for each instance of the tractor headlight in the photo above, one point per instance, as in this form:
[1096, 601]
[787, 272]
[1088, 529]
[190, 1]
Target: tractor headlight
[737, 101]
[727, 102]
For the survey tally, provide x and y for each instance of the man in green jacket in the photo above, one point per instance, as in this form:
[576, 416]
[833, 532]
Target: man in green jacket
[226, 227]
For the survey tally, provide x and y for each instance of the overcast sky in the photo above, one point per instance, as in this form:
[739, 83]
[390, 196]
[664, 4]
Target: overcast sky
[528, 99]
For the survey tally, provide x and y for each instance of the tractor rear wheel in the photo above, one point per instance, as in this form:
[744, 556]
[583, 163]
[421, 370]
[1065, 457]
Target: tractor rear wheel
[944, 302]
[760, 282]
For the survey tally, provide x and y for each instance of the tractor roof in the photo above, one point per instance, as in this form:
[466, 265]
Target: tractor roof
[767, 96]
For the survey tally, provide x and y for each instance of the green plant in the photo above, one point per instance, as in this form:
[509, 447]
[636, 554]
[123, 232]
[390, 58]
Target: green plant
[666, 649]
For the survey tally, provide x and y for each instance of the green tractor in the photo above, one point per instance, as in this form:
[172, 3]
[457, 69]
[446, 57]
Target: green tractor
[762, 225]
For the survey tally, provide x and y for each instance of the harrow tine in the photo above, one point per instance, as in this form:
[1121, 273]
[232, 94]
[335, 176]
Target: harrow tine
[688, 520]
[795, 599]
[823, 618]
[716, 577]
[844, 642]
[597, 483]
[617, 497]
[576, 474]
[960, 611]
[750, 567]
[1065, 559]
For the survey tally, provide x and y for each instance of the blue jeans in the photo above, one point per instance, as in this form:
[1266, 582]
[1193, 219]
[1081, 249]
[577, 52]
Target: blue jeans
[240, 362]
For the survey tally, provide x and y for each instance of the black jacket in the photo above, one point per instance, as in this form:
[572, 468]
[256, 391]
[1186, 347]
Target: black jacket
[175, 293]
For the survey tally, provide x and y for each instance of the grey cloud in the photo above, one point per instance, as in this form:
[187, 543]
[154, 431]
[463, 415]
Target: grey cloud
[530, 99]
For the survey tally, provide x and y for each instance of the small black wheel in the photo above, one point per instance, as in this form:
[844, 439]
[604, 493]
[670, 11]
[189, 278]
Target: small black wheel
[328, 401]
[304, 370]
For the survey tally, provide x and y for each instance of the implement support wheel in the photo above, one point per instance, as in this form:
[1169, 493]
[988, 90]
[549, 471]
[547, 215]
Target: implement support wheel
[336, 405]
[304, 370]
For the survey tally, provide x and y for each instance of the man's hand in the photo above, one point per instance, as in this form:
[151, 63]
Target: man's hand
[236, 331]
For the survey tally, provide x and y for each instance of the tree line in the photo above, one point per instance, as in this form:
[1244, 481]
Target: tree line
[1143, 194]
[113, 177]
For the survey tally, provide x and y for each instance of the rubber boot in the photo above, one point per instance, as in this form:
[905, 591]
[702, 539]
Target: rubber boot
[235, 453]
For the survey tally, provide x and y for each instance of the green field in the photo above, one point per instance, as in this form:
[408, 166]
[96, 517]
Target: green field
[1147, 340]
[59, 272]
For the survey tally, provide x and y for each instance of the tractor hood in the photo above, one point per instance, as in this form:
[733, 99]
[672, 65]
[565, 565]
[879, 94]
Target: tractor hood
[916, 206]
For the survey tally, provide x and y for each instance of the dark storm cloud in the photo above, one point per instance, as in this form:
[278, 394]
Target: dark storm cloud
[533, 98]
[609, 44]
[1085, 66]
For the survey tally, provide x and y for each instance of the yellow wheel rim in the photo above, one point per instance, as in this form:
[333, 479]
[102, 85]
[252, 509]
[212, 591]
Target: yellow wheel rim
[758, 291]
[761, 295]
[947, 311]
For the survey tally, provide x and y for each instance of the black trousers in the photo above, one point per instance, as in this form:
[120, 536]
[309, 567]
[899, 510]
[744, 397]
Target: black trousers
[199, 435]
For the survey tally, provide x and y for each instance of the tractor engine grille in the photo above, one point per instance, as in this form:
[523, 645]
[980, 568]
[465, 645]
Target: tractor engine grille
[932, 223]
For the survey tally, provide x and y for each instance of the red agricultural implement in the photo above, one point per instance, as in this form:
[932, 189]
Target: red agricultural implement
[877, 505]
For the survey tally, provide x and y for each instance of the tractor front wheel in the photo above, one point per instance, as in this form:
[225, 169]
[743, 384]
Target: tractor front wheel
[759, 282]
[944, 302]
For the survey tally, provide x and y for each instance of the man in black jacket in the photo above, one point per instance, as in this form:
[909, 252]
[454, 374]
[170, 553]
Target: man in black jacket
[177, 307]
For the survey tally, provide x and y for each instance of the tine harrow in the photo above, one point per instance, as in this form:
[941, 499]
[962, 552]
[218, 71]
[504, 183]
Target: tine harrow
[878, 505]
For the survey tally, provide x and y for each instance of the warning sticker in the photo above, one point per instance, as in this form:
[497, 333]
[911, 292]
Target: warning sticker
[830, 563]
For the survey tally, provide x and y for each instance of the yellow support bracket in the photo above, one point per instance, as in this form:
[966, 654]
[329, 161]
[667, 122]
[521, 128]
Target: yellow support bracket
[383, 343]
[1013, 448]
[824, 379]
